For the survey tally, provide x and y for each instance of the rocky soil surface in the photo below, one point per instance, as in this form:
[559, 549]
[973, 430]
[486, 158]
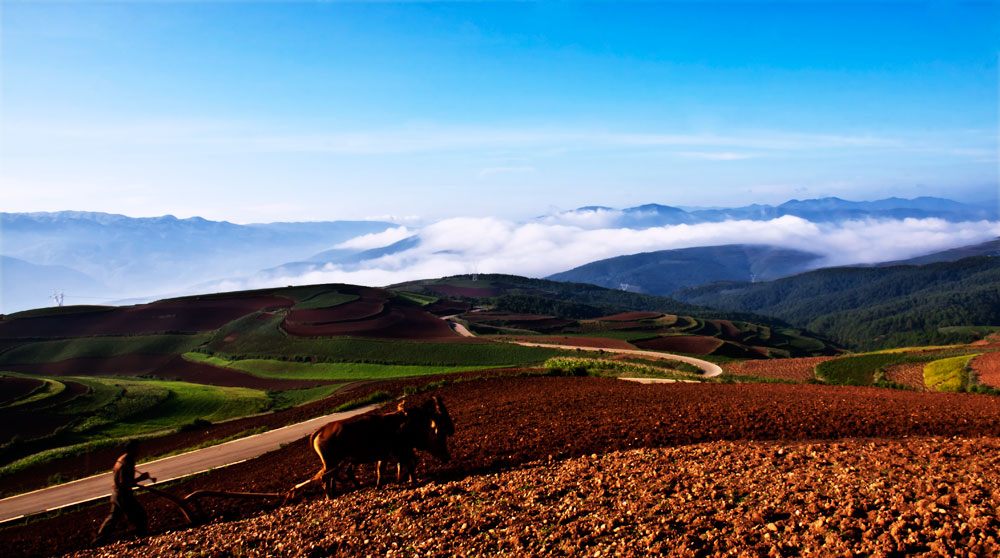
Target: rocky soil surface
[930, 497]
[682, 466]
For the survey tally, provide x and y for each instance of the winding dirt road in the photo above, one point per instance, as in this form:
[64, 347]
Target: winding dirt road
[709, 369]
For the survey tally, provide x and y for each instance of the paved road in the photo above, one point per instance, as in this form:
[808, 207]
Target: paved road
[166, 469]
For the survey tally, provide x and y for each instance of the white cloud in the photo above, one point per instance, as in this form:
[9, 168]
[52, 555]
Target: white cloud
[489, 245]
[596, 218]
[376, 240]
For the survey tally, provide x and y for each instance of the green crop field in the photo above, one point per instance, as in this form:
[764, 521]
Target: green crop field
[290, 370]
[101, 347]
[293, 397]
[420, 299]
[860, 370]
[325, 300]
[600, 367]
[48, 389]
[378, 351]
[116, 408]
[948, 374]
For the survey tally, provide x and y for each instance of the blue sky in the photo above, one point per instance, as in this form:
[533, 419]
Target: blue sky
[329, 110]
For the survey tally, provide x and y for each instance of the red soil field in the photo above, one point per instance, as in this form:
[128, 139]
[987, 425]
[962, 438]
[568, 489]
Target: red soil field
[170, 315]
[506, 422]
[910, 374]
[12, 388]
[32, 420]
[72, 391]
[692, 344]
[987, 369]
[27, 424]
[396, 322]
[357, 310]
[447, 307]
[797, 369]
[631, 316]
[504, 316]
[168, 367]
[729, 331]
[468, 292]
[594, 342]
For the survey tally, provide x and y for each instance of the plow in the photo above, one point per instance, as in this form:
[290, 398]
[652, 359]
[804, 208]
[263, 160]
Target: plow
[190, 505]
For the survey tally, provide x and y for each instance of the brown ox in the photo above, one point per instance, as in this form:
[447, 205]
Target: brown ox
[379, 438]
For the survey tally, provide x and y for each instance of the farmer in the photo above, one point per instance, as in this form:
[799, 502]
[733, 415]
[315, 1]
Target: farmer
[123, 502]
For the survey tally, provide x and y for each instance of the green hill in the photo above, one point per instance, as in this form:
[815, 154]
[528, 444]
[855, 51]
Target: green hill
[568, 300]
[868, 308]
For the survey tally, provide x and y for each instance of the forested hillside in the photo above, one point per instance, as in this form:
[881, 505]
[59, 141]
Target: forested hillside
[866, 308]
[665, 271]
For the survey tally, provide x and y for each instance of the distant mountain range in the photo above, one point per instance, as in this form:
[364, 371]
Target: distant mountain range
[100, 256]
[666, 271]
[104, 258]
[817, 211]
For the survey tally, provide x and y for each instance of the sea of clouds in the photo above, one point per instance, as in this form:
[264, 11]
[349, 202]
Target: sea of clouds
[538, 249]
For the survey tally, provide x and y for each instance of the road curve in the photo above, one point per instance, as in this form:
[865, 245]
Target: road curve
[166, 469]
[709, 369]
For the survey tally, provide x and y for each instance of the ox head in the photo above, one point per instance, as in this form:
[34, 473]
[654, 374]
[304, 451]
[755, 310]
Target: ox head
[434, 425]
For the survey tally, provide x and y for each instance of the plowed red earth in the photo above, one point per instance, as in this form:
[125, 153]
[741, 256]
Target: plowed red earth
[631, 316]
[171, 315]
[728, 329]
[798, 369]
[34, 419]
[504, 423]
[357, 310]
[169, 367]
[506, 316]
[692, 344]
[13, 388]
[395, 322]
[595, 342]
[447, 307]
[910, 374]
[987, 369]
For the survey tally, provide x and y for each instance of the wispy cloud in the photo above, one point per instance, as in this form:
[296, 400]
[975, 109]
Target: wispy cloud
[376, 240]
[539, 249]
[261, 137]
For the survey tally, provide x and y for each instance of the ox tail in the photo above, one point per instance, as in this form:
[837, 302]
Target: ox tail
[314, 444]
[314, 441]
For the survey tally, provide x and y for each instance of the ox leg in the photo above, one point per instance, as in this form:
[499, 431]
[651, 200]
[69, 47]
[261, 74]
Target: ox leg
[408, 460]
[350, 476]
[329, 486]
